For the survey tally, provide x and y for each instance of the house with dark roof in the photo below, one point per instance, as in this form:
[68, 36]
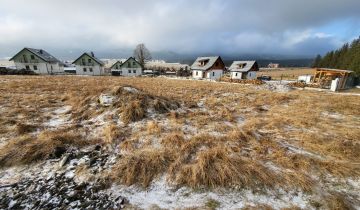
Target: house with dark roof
[88, 64]
[243, 69]
[208, 68]
[38, 61]
[128, 68]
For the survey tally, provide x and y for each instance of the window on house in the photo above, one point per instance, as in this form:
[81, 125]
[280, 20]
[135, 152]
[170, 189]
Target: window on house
[197, 73]
[134, 63]
[90, 69]
[83, 61]
[27, 67]
[235, 74]
[129, 71]
[116, 67]
[89, 60]
[35, 67]
[32, 57]
[213, 74]
[203, 62]
[84, 69]
[134, 71]
[25, 59]
[51, 67]
[129, 64]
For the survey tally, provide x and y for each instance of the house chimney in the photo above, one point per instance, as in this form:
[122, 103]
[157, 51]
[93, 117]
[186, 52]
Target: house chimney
[92, 54]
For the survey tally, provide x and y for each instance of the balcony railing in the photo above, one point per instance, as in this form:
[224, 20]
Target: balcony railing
[87, 64]
[29, 61]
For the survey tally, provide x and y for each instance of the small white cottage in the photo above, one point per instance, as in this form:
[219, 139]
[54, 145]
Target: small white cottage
[244, 69]
[208, 68]
[128, 68]
[88, 64]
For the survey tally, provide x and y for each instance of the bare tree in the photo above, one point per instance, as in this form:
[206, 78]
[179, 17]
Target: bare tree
[141, 53]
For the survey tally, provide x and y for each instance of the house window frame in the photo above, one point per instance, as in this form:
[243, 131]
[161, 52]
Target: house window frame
[35, 67]
[134, 71]
[129, 71]
[213, 73]
[32, 57]
[84, 70]
[27, 67]
[90, 69]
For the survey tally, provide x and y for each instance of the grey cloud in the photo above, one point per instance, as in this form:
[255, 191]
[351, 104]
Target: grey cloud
[184, 26]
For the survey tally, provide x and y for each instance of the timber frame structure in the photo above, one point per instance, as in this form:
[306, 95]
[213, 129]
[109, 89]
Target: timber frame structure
[324, 76]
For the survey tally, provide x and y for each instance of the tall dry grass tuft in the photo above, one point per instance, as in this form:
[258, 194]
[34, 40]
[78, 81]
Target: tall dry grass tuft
[113, 134]
[28, 149]
[173, 140]
[141, 167]
[22, 128]
[217, 167]
[153, 128]
[337, 201]
[132, 112]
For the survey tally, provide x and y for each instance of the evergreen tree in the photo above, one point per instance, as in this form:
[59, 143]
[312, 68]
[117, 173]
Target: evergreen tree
[317, 61]
[347, 57]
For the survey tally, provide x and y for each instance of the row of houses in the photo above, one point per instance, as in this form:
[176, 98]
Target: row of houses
[42, 62]
[213, 68]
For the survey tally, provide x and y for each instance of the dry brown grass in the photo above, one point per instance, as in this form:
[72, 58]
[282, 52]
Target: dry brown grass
[113, 134]
[27, 149]
[286, 73]
[284, 137]
[153, 128]
[142, 167]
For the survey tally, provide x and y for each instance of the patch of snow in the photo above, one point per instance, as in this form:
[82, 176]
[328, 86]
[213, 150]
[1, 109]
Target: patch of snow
[62, 110]
[59, 117]
[106, 100]
[131, 89]
[240, 121]
[301, 151]
[164, 196]
[333, 115]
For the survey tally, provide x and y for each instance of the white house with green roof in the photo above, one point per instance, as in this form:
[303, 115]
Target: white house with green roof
[88, 64]
[129, 68]
[38, 61]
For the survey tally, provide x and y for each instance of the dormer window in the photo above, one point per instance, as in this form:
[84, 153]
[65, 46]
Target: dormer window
[203, 62]
[32, 57]
[241, 65]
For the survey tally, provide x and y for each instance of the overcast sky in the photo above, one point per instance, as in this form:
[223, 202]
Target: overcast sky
[284, 27]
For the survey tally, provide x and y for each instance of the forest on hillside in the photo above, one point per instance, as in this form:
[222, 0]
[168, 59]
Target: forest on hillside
[347, 57]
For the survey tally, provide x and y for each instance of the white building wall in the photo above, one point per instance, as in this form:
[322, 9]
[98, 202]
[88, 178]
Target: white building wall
[125, 72]
[305, 78]
[197, 74]
[251, 75]
[247, 75]
[41, 68]
[214, 74]
[97, 70]
[236, 75]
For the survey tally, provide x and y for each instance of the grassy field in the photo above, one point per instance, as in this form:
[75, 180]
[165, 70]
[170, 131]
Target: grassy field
[286, 73]
[199, 135]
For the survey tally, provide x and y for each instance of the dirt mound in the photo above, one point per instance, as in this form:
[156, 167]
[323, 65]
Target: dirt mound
[129, 103]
